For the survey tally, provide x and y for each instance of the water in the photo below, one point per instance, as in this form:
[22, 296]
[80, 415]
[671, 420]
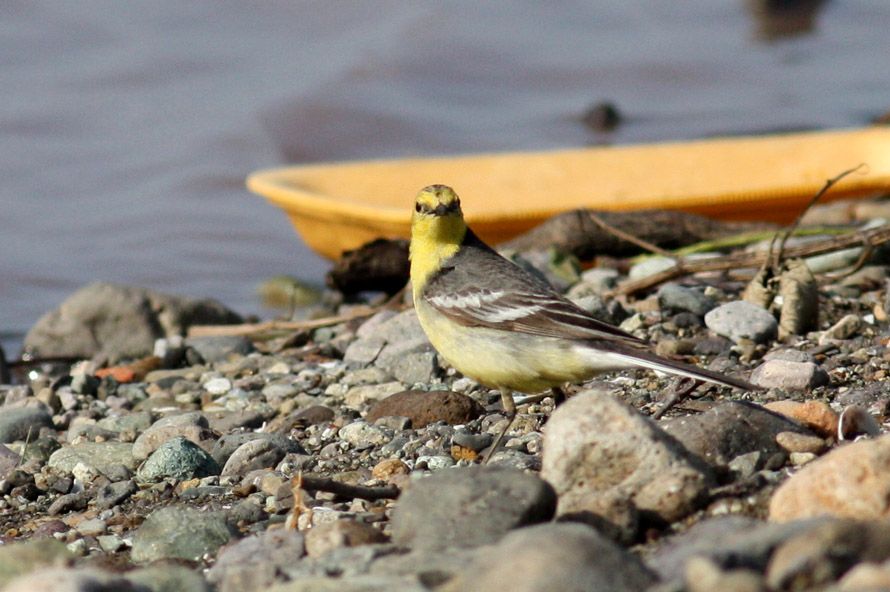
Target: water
[127, 128]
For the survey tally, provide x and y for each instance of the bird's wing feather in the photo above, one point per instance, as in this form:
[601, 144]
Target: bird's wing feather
[495, 293]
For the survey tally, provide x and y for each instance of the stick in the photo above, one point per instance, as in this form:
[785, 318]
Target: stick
[872, 237]
[646, 245]
[310, 483]
[251, 328]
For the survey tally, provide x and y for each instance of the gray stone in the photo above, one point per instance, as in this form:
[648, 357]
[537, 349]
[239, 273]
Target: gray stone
[674, 298]
[731, 429]
[192, 426]
[113, 494]
[258, 453]
[179, 459]
[364, 351]
[20, 558]
[326, 537]
[361, 435]
[791, 355]
[16, 423]
[729, 541]
[178, 532]
[788, 375]
[256, 562]
[9, 460]
[168, 578]
[739, 320]
[650, 266]
[469, 507]
[228, 444]
[560, 556]
[604, 458]
[219, 348]
[62, 579]
[359, 396]
[368, 583]
[119, 322]
[101, 456]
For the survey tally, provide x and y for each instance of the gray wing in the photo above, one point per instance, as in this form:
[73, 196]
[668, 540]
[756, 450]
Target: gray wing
[479, 288]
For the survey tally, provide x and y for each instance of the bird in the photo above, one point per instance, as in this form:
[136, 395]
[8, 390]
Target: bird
[505, 327]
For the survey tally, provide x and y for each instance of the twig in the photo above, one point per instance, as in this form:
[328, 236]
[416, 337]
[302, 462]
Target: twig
[643, 244]
[310, 483]
[871, 237]
[251, 328]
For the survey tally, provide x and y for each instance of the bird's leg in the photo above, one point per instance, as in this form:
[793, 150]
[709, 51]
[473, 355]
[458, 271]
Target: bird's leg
[510, 411]
[677, 394]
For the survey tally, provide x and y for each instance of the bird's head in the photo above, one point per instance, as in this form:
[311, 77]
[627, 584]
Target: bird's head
[437, 215]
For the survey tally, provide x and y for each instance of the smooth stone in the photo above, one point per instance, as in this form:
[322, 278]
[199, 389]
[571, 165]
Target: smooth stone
[254, 454]
[739, 320]
[119, 322]
[866, 577]
[558, 556]
[469, 507]
[62, 579]
[845, 328]
[729, 430]
[790, 355]
[220, 348]
[604, 458]
[20, 558]
[674, 298]
[226, 446]
[218, 386]
[815, 415]
[178, 459]
[788, 375]
[168, 578]
[361, 435]
[650, 266]
[368, 583]
[703, 575]
[255, 562]
[180, 532]
[364, 351]
[113, 494]
[192, 426]
[101, 456]
[326, 537]
[851, 481]
[17, 423]
[364, 394]
[801, 443]
[426, 407]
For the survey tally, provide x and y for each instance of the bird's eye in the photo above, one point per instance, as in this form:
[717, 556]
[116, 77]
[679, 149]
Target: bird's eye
[417, 207]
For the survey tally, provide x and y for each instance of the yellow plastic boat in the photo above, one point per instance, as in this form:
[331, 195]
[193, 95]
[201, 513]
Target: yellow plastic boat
[340, 206]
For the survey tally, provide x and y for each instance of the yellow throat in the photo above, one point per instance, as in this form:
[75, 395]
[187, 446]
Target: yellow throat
[437, 231]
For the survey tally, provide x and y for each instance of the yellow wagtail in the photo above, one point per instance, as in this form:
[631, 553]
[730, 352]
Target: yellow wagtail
[503, 326]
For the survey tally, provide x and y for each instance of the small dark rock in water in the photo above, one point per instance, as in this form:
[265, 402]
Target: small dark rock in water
[423, 408]
[560, 556]
[469, 507]
[602, 117]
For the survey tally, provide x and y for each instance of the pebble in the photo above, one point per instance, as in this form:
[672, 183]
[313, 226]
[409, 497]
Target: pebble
[359, 396]
[178, 459]
[558, 556]
[731, 429]
[113, 494]
[816, 415]
[361, 435]
[324, 538]
[789, 375]
[218, 386]
[20, 558]
[600, 453]
[192, 426]
[740, 320]
[61, 579]
[426, 407]
[796, 442]
[253, 454]
[674, 298]
[220, 348]
[845, 328]
[256, 562]
[102, 456]
[469, 506]
[180, 532]
[850, 481]
[18, 423]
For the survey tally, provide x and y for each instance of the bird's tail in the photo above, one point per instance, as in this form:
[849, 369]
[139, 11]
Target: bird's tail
[647, 359]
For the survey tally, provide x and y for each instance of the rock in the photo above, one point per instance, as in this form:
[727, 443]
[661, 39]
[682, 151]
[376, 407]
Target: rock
[70, 502]
[254, 454]
[218, 386]
[113, 494]
[816, 415]
[650, 266]
[790, 355]
[255, 563]
[845, 328]
[794, 442]
[179, 532]
[866, 577]
[119, 322]
[227, 445]
[364, 394]
[361, 435]
[363, 351]
[850, 481]
[857, 421]
[104, 457]
[9, 460]
[192, 426]
[20, 558]
[326, 537]
[788, 375]
[61, 579]
[559, 556]
[389, 468]
[424, 408]
[739, 320]
[469, 507]
[600, 453]
[220, 348]
[369, 583]
[728, 541]
[703, 575]
[674, 298]
[178, 459]
[821, 554]
[167, 578]
[731, 429]
[16, 423]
